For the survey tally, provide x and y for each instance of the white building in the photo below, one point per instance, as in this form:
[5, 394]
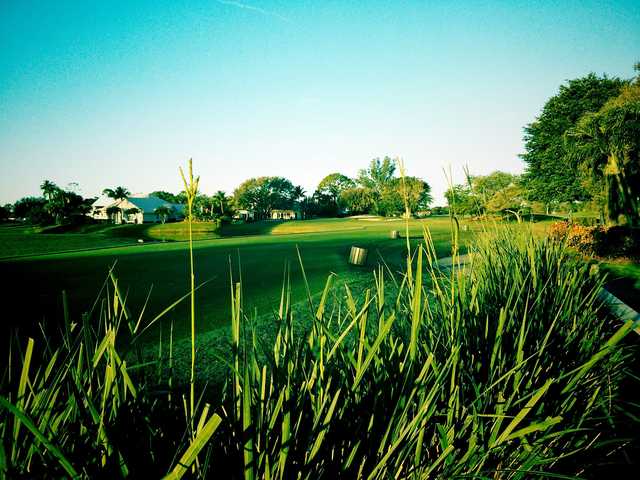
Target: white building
[246, 215]
[285, 214]
[99, 208]
[138, 209]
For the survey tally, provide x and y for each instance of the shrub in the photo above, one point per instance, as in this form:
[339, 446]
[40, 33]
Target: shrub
[614, 241]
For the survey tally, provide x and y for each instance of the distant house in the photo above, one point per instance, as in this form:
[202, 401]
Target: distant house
[250, 215]
[138, 209]
[285, 214]
[423, 213]
[99, 208]
[246, 215]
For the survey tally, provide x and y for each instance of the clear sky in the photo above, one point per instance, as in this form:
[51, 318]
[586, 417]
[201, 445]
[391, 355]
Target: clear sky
[111, 93]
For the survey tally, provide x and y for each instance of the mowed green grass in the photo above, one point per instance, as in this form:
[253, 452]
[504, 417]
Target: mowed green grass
[160, 270]
[17, 240]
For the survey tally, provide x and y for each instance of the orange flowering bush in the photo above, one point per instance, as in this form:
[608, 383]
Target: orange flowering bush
[601, 241]
[559, 230]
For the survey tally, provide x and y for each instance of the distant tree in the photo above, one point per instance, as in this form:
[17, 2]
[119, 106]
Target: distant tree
[264, 194]
[486, 186]
[309, 207]
[5, 212]
[461, 200]
[392, 199]
[205, 208]
[33, 210]
[327, 194]
[166, 196]
[297, 194]
[357, 200]
[163, 212]
[376, 178]
[607, 146]
[418, 193]
[181, 197]
[379, 174]
[512, 197]
[113, 212]
[439, 210]
[118, 193]
[49, 189]
[550, 175]
[333, 185]
[221, 200]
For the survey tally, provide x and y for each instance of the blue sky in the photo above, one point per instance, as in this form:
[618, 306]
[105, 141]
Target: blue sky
[122, 93]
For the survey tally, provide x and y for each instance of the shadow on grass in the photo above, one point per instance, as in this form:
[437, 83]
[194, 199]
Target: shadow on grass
[168, 232]
[262, 227]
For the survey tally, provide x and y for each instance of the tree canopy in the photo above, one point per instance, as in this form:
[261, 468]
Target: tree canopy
[334, 184]
[328, 192]
[486, 186]
[415, 191]
[606, 144]
[168, 196]
[264, 194]
[550, 174]
[357, 200]
[377, 177]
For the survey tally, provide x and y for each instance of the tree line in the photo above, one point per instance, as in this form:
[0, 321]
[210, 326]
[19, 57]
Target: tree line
[377, 190]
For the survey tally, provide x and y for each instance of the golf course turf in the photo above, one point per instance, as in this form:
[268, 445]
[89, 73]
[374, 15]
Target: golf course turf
[258, 251]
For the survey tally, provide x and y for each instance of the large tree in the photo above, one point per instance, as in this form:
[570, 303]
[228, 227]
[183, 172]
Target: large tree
[550, 174]
[606, 144]
[328, 192]
[333, 184]
[415, 191]
[378, 175]
[65, 205]
[486, 186]
[264, 194]
[511, 197]
[461, 200]
[32, 209]
[357, 200]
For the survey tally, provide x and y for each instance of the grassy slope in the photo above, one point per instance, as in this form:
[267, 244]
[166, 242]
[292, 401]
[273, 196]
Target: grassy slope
[624, 281]
[19, 240]
[36, 282]
[27, 241]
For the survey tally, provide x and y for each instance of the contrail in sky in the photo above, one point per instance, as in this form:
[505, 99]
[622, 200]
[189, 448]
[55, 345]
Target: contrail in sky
[259, 10]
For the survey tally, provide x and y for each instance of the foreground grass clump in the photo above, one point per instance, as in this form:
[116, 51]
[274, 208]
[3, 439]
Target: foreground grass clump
[503, 368]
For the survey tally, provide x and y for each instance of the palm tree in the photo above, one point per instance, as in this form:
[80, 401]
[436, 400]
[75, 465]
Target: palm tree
[606, 144]
[119, 193]
[220, 197]
[49, 189]
[298, 192]
[113, 213]
[163, 212]
[129, 212]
